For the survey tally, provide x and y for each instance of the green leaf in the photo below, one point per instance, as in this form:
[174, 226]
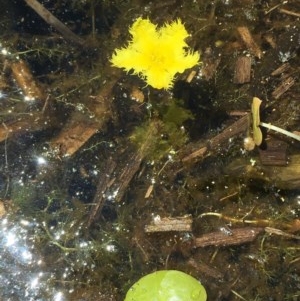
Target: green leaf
[166, 286]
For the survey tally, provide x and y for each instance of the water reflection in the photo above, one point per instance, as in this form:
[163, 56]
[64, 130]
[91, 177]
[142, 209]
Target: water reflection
[23, 274]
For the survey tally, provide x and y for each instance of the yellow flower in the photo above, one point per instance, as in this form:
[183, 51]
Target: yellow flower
[156, 54]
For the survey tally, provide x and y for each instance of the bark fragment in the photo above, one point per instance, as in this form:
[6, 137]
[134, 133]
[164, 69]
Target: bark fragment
[249, 41]
[166, 224]
[236, 236]
[242, 71]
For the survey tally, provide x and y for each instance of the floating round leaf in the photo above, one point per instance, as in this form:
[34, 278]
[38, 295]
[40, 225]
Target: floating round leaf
[169, 285]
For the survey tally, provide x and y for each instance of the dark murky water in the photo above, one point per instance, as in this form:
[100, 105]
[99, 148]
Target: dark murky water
[54, 244]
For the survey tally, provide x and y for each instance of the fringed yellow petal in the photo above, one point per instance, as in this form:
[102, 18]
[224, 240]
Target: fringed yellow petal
[174, 32]
[141, 28]
[186, 61]
[123, 58]
[158, 79]
[154, 54]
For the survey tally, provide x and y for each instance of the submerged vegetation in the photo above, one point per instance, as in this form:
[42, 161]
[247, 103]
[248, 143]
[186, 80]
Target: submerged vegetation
[90, 155]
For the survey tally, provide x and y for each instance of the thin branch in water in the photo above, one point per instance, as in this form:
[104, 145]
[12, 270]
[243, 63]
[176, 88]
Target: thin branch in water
[53, 21]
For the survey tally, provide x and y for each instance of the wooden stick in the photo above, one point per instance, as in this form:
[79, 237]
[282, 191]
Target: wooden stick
[289, 12]
[283, 87]
[236, 237]
[104, 183]
[28, 122]
[53, 21]
[281, 69]
[80, 128]
[205, 269]
[279, 232]
[241, 125]
[25, 80]
[167, 224]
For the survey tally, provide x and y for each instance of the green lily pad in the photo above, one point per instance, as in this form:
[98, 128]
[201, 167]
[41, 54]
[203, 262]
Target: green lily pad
[168, 285]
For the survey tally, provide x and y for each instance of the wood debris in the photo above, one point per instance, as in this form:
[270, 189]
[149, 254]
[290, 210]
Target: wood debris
[286, 73]
[274, 154]
[77, 132]
[118, 172]
[289, 12]
[285, 85]
[137, 94]
[2, 209]
[80, 127]
[281, 69]
[281, 176]
[104, 183]
[53, 21]
[279, 232]
[167, 224]
[249, 41]
[242, 70]
[41, 118]
[32, 122]
[239, 126]
[190, 77]
[206, 269]
[114, 180]
[24, 78]
[236, 236]
[210, 63]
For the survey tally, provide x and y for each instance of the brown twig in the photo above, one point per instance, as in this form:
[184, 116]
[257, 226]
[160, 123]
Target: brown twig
[235, 237]
[206, 269]
[167, 224]
[234, 129]
[285, 85]
[53, 21]
[104, 183]
[25, 80]
[288, 12]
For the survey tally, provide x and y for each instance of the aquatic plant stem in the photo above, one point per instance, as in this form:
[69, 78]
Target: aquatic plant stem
[258, 222]
[53, 242]
[279, 130]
